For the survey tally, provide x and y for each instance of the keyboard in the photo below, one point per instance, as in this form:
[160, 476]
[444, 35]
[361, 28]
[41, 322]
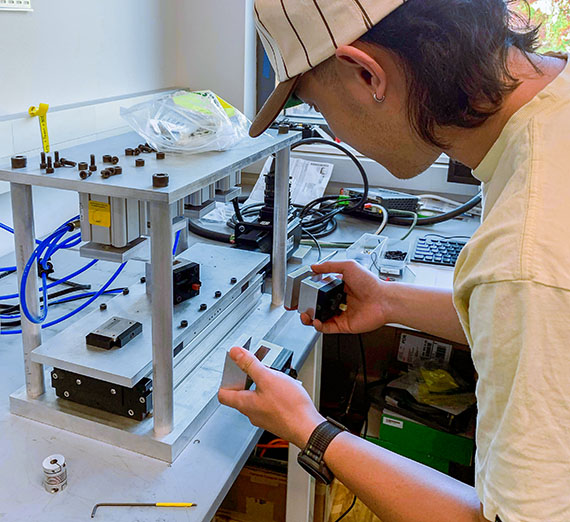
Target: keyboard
[437, 251]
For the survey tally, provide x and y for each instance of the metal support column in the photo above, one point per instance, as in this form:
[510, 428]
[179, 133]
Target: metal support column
[300, 485]
[279, 272]
[24, 243]
[162, 357]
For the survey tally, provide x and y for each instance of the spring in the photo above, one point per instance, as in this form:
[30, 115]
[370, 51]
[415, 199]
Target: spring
[55, 473]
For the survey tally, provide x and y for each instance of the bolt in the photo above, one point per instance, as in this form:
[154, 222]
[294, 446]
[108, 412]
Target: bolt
[233, 280]
[67, 163]
[49, 167]
[183, 323]
[103, 307]
[143, 280]
[160, 180]
[92, 159]
[78, 382]
[43, 164]
[241, 229]
[113, 391]
[142, 400]
[106, 173]
[283, 129]
[106, 158]
[125, 291]
[136, 152]
[66, 394]
[84, 174]
[54, 376]
[114, 160]
[92, 168]
[160, 155]
[129, 152]
[131, 413]
[57, 162]
[203, 307]
[82, 165]
[139, 162]
[118, 170]
[218, 294]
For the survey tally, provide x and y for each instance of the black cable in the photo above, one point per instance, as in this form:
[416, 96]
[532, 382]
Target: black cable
[6, 273]
[195, 228]
[71, 284]
[466, 207]
[348, 510]
[317, 245]
[77, 298]
[14, 309]
[237, 210]
[365, 377]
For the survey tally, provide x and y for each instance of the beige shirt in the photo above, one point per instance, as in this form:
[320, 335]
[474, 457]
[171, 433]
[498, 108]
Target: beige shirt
[512, 293]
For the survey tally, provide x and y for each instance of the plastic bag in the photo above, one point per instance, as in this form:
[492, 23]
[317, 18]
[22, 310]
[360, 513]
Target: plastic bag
[189, 122]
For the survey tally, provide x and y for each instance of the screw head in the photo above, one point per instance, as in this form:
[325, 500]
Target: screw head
[126, 291]
[143, 280]
[142, 400]
[183, 323]
[54, 376]
[203, 307]
[113, 391]
[242, 229]
[160, 155]
[66, 394]
[103, 307]
[139, 162]
[78, 382]
[218, 294]
[233, 280]
[131, 413]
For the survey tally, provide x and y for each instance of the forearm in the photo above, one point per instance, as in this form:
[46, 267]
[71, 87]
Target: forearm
[397, 489]
[429, 310]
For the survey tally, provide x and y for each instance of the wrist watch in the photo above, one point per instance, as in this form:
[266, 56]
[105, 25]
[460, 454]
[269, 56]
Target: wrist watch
[311, 458]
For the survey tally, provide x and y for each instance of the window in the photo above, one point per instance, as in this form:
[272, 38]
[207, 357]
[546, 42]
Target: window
[553, 16]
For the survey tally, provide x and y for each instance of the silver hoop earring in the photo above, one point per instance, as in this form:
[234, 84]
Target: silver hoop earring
[381, 100]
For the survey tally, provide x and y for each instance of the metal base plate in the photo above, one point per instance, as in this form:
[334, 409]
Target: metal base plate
[195, 398]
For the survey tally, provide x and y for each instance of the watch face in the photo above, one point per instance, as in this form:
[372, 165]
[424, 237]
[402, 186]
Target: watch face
[320, 472]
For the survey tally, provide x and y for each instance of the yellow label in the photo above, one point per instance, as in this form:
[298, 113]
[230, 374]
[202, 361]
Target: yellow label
[100, 214]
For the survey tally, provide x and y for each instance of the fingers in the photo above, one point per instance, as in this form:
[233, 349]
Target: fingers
[336, 267]
[327, 328]
[240, 400]
[248, 363]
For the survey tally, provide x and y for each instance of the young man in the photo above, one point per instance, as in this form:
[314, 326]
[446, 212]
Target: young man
[403, 82]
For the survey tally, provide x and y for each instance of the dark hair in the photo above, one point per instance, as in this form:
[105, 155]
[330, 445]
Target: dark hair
[455, 55]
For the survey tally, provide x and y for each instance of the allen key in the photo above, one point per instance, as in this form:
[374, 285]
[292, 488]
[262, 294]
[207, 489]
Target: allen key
[136, 504]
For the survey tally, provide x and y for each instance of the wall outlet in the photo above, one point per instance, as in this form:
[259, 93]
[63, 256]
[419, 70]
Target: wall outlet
[15, 5]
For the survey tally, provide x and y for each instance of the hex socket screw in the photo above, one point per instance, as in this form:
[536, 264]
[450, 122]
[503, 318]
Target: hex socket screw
[160, 155]
[84, 174]
[233, 280]
[92, 164]
[203, 307]
[49, 167]
[82, 165]
[218, 294]
[43, 163]
[19, 162]
[114, 160]
[106, 158]
[139, 162]
[103, 307]
[183, 323]
[67, 163]
[56, 160]
[129, 152]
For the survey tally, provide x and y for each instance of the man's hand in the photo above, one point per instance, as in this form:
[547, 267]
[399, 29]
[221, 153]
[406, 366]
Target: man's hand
[278, 404]
[366, 300]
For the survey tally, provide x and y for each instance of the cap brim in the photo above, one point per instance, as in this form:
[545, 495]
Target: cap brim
[273, 106]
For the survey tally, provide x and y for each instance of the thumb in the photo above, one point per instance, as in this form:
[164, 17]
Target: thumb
[248, 363]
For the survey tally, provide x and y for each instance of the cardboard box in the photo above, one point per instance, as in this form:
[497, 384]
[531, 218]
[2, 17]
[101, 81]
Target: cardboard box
[257, 495]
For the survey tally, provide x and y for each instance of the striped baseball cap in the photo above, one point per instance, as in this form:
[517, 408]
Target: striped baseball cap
[298, 35]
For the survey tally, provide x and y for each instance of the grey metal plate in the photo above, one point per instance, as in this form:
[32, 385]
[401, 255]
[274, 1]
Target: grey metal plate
[127, 365]
[188, 173]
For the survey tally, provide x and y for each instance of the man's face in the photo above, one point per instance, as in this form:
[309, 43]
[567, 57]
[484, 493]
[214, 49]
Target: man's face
[380, 131]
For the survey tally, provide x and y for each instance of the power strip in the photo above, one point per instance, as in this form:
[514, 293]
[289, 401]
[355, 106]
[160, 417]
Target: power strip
[16, 5]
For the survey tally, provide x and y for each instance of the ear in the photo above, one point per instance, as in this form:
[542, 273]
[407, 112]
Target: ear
[366, 70]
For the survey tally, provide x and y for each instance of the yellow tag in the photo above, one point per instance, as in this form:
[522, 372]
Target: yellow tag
[100, 214]
[41, 113]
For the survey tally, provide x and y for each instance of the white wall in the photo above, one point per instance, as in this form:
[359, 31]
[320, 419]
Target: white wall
[69, 51]
[214, 36]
